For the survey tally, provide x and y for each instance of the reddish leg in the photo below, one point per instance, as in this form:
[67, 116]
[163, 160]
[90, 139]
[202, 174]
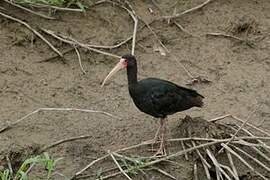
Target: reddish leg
[162, 151]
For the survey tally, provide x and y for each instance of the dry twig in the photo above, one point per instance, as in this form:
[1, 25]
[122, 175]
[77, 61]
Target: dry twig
[164, 47]
[232, 165]
[79, 58]
[213, 142]
[200, 155]
[242, 121]
[174, 22]
[251, 157]
[37, 5]
[183, 147]
[64, 141]
[183, 29]
[239, 129]
[251, 125]
[118, 165]
[134, 17]
[266, 147]
[195, 171]
[247, 42]
[229, 170]
[243, 160]
[109, 176]
[72, 42]
[55, 109]
[164, 173]
[220, 118]
[29, 10]
[34, 31]
[225, 35]
[219, 170]
[205, 164]
[187, 11]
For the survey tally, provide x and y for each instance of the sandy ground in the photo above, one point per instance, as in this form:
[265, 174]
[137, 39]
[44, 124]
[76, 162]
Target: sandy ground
[238, 73]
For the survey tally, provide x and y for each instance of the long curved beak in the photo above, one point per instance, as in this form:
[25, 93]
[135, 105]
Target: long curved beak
[120, 65]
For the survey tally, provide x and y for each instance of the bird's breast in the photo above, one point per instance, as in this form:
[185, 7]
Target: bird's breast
[142, 100]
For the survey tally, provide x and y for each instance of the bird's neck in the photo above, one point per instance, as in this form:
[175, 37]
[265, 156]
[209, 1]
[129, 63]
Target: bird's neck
[132, 76]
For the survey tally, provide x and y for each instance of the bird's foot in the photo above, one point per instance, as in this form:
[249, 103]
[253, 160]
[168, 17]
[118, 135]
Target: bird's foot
[153, 142]
[161, 151]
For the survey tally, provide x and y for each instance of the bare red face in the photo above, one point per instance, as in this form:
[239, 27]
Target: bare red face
[124, 62]
[120, 65]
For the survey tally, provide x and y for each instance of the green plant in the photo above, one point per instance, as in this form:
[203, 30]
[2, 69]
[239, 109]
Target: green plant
[60, 3]
[23, 172]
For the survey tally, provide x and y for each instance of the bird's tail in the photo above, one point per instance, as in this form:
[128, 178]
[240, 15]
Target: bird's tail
[198, 101]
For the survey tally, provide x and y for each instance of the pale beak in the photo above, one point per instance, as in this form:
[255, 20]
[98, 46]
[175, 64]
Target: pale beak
[120, 65]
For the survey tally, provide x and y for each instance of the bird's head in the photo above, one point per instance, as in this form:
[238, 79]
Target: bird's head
[126, 61]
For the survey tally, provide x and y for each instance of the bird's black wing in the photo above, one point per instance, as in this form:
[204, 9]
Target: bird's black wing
[167, 98]
[164, 100]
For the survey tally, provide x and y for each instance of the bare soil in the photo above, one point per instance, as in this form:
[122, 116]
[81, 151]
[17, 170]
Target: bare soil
[238, 73]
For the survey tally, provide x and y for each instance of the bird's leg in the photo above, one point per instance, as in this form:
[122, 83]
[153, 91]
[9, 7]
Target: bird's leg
[157, 135]
[162, 151]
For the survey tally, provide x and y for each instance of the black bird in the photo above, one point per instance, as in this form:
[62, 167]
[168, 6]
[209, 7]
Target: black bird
[156, 97]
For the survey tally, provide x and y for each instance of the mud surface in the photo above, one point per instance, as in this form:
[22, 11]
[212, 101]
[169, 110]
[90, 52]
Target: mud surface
[238, 73]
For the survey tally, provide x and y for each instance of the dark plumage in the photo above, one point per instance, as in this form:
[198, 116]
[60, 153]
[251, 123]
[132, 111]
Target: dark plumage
[160, 98]
[156, 97]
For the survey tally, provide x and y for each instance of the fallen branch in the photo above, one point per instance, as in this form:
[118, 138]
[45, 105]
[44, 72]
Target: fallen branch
[164, 47]
[243, 161]
[253, 158]
[164, 173]
[219, 170]
[251, 125]
[195, 171]
[34, 31]
[71, 41]
[183, 147]
[151, 162]
[248, 42]
[232, 165]
[229, 170]
[225, 35]
[205, 164]
[133, 16]
[55, 56]
[29, 10]
[79, 58]
[183, 29]
[265, 147]
[214, 141]
[239, 129]
[37, 5]
[109, 176]
[64, 141]
[135, 19]
[110, 47]
[242, 121]
[220, 118]
[174, 22]
[187, 11]
[118, 165]
[10, 125]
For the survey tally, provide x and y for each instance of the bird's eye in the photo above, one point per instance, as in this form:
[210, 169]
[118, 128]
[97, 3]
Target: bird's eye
[126, 60]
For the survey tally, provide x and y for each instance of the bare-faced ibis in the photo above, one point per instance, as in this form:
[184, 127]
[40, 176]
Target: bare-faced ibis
[156, 97]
